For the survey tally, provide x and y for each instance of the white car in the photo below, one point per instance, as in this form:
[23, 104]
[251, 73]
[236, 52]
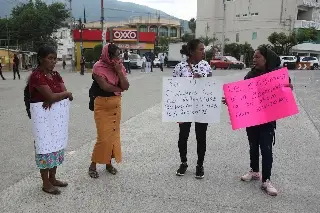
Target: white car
[156, 62]
[287, 61]
[135, 60]
[313, 60]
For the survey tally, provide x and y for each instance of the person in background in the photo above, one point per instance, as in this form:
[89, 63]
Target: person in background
[16, 63]
[263, 136]
[83, 65]
[144, 61]
[195, 67]
[148, 63]
[126, 61]
[47, 86]
[3, 78]
[161, 61]
[64, 64]
[110, 80]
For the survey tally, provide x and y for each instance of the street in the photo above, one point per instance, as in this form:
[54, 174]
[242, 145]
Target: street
[146, 181]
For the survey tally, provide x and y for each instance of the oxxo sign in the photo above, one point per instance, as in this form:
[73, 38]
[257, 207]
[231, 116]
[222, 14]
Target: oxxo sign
[125, 34]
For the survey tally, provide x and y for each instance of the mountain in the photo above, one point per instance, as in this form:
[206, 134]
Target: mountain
[114, 10]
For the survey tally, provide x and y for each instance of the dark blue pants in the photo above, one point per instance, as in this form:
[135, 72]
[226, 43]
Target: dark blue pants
[261, 136]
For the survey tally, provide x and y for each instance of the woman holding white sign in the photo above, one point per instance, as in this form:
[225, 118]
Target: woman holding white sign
[263, 136]
[46, 90]
[195, 67]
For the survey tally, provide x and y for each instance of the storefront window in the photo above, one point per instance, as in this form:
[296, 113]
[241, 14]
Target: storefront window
[163, 31]
[143, 28]
[173, 32]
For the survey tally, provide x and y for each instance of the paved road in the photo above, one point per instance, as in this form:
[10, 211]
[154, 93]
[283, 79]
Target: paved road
[146, 182]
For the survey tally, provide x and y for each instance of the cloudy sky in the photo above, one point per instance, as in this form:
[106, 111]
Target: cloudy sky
[184, 9]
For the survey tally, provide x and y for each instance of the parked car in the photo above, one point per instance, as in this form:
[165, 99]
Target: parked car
[314, 62]
[156, 62]
[135, 60]
[226, 62]
[288, 61]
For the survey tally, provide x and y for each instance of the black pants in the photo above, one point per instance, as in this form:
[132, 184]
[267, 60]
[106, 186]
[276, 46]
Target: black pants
[16, 71]
[262, 136]
[82, 69]
[127, 66]
[3, 78]
[161, 67]
[201, 135]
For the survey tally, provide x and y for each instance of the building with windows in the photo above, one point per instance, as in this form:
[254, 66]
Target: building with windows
[124, 38]
[253, 21]
[65, 43]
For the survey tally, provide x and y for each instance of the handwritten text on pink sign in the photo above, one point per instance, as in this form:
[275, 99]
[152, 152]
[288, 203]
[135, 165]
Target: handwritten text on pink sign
[260, 100]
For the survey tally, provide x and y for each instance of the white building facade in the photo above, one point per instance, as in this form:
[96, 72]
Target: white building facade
[65, 44]
[253, 21]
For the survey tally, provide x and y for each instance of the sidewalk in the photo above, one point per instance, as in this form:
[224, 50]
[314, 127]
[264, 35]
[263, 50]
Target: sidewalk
[147, 183]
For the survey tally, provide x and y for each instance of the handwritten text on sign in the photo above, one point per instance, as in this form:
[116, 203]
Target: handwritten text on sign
[191, 100]
[260, 100]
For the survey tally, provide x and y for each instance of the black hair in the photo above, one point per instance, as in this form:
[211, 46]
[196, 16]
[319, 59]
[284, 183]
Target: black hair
[272, 59]
[44, 51]
[190, 47]
[112, 50]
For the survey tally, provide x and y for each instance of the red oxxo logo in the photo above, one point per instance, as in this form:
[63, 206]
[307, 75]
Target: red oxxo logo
[125, 35]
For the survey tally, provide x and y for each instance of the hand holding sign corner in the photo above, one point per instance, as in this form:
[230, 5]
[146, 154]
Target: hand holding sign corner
[260, 100]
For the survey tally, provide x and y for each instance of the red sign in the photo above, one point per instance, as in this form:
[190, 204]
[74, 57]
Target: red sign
[96, 35]
[125, 35]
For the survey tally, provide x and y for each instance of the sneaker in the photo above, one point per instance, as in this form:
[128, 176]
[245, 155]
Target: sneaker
[199, 172]
[269, 188]
[251, 176]
[182, 169]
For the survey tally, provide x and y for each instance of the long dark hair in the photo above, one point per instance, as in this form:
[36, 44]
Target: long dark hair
[190, 47]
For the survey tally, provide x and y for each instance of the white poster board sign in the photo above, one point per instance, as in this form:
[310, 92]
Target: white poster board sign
[50, 127]
[191, 100]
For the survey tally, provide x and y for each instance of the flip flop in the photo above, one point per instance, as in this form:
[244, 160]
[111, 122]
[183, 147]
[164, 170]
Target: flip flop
[53, 192]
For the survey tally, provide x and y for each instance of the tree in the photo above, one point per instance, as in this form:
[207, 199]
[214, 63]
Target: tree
[207, 40]
[307, 35]
[187, 37]
[238, 50]
[97, 50]
[282, 43]
[89, 56]
[32, 23]
[163, 44]
[192, 25]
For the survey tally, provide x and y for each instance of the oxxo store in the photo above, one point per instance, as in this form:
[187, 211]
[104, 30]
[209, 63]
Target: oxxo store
[124, 38]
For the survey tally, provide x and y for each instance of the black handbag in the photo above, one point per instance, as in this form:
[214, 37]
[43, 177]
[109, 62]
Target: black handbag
[92, 97]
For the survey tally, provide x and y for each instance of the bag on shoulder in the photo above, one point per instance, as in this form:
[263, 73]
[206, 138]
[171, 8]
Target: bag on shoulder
[26, 94]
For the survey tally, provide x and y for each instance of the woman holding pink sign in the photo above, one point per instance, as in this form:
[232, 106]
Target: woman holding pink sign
[264, 60]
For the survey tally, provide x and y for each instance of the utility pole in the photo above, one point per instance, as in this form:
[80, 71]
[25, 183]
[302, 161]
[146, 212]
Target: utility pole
[223, 27]
[71, 34]
[8, 42]
[102, 23]
[80, 27]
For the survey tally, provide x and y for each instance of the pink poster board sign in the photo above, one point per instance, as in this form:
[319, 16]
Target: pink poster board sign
[260, 100]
